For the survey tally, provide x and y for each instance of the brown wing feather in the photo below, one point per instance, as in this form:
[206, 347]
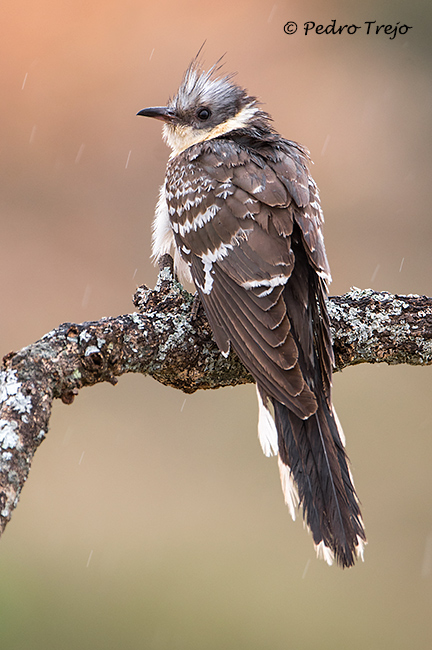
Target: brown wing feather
[242, 257]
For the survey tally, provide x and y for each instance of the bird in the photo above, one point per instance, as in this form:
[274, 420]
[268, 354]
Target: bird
[241, 215]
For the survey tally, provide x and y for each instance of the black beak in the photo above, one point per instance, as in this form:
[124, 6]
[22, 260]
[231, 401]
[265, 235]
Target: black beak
[160, 113]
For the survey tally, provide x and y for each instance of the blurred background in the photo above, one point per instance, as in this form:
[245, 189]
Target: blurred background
[152, 519]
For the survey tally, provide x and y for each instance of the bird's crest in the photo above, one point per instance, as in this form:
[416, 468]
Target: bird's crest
[200, 86]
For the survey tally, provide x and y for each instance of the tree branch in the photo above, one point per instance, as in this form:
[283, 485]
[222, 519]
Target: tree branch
[169, 338]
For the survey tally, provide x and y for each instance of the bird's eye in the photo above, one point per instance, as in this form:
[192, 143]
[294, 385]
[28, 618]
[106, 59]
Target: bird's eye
[203, 114]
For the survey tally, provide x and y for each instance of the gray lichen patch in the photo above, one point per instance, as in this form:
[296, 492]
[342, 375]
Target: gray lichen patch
[425, 351]
[91, 349]
[84, 336]
[179, 328]
[11, 395]
[9, 439]
[164, 275]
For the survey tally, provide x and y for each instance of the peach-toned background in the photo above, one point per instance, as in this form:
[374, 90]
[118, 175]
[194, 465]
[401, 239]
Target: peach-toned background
[151, 520]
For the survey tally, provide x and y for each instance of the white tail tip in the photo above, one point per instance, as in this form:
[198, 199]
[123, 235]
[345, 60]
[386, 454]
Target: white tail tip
[289, 488]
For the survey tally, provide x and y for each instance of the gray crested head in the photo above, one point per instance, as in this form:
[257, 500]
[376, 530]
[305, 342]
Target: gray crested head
[219, 96]
[205, 106]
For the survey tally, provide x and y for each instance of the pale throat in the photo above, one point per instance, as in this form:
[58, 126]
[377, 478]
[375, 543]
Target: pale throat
[180, 137]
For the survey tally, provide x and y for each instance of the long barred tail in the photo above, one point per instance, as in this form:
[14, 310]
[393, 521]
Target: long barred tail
[315, 474]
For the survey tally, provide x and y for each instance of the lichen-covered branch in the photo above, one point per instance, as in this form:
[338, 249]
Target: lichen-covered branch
[169, 338]
[376, 326]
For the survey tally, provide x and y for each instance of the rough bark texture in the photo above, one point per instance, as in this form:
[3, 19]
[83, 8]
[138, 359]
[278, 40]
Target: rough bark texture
[169, 338]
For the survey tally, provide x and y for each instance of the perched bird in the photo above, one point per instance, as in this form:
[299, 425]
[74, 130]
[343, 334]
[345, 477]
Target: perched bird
[242, 215]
